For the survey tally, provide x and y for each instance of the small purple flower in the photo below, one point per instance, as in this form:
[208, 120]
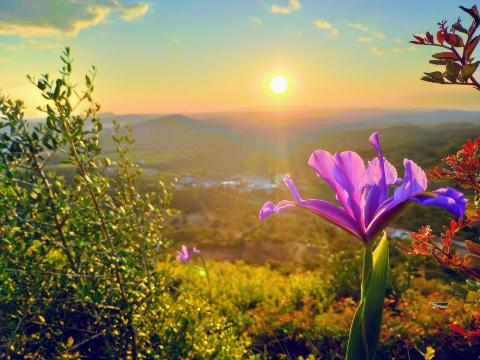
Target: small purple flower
[366, 203]
[184, 254]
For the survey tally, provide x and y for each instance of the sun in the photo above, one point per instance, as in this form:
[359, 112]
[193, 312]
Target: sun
[279, 84]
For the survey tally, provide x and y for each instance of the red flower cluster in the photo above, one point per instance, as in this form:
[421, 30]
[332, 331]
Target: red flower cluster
[463, 167]
[425, 243]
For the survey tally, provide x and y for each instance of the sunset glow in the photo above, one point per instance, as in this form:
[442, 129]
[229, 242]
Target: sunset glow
[328, 59]
[146, 201]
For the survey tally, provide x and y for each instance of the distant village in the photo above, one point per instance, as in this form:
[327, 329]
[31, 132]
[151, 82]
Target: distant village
[240, 182]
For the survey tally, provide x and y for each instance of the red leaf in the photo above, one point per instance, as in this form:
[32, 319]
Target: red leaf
[475, 10]
[440, 37]
[454, 40]
[429, 37]
[445, 55]
[419, 38]
[473, 13]
[471, 47]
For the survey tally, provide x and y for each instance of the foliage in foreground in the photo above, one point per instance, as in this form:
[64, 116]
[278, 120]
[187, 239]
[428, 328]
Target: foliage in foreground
[78, 255]
[302, 313]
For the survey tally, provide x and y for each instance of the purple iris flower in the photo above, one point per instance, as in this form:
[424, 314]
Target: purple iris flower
[369, 196]
[184, 254]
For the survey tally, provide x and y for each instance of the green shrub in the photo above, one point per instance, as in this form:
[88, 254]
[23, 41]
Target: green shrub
[78, 251]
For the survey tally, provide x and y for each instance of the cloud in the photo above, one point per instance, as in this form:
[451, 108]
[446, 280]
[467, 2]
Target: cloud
[364, 39]
[377, 51]
[256, 20]
[293, 5]
[133, 12]
[176, 40]
[399, 40]
[396, 50]
[358, 26]
[325, 25]
[366, 29]
[59, 18]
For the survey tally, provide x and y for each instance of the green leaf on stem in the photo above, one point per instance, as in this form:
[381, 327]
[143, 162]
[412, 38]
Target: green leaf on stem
[436, 77]
[469, 69]
[365, 329]
[453, 70]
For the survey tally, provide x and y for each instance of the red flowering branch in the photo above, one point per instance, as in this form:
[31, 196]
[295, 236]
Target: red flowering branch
[460, 66]
[464, 168]
[424, 243]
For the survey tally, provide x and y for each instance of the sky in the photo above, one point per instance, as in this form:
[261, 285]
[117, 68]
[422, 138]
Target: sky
[187, 56]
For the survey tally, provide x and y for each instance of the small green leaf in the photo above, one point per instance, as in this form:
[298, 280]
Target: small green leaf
[435, 77]
[453, 70]
[469, 69]
[459, 290]
[473, 285]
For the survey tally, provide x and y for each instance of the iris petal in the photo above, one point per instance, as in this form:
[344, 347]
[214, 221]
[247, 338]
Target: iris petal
[351, 174]
[375, 173]
[384, 216]
[414, 182]
[374, 196]
[269, 208]
[322, 208]
[323, 163]
[382, 183]
[447, 198]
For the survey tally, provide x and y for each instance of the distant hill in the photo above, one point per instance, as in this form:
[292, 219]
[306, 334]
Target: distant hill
[305, 120]
[177, 143]
[259, 128]
[124, 119]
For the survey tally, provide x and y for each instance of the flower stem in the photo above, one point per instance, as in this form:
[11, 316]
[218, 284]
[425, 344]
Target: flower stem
[366, 323]
[366, 270]
[204, 264]
[366, 274]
